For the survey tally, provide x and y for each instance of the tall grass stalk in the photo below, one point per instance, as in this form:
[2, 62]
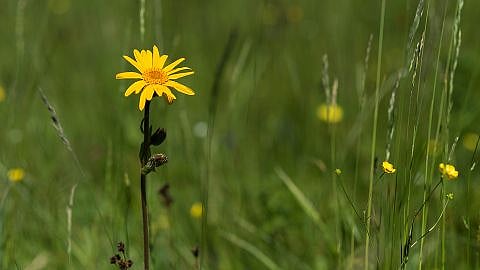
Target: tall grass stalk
[361, 102]
[429, 173]
[426, 180]
[61, 134]
[453, 51]
[374, 134]
[212, 111]
[331, 101]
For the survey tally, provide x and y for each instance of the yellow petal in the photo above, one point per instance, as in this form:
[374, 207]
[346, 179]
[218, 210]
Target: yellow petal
[138, 57]
[143, 58]
[133, 62]
[149, 91]
[177, 70]
[179, 75]
[173, 65]
[180, 87]
[170, 97]
[156, 56]
[148, 58]
[160, 90]
[129, 75]
[135, 87]
[143, 99]
[161, 62]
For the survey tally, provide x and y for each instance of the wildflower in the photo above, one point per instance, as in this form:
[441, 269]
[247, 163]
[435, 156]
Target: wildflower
[2, 94]
[16, 174]
[330, 113]
[154, 77]
[450, 196]
[448, 170]
[196, 210]
[388, 167]
[338, 172]
[470, 141]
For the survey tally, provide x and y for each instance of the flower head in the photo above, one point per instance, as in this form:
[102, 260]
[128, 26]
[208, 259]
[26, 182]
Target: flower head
[330, 113]
[448, 170]
[388, 167]
[16, 174]
[196, 210]
[155, 77]
[450, 196]
[338, 172]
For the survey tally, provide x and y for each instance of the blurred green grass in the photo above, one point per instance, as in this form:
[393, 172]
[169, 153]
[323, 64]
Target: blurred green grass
[265, 118]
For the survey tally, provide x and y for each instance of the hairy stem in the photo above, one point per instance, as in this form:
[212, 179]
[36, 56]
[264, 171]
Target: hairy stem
[143, 185]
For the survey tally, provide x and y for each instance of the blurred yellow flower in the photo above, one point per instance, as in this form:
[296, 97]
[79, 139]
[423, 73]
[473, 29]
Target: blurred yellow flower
[2, 94]
[330, 113]
[59, 6]
[448, 170]
[16, 174]
[388, 167]
[294, 14]
[154, 77]
[196, 210]
[470, 141]
[338, 172]
[450, 196]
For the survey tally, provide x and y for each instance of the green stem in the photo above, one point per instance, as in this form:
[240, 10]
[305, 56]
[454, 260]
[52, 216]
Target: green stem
[143, 185]
[426, 181]
[374, 134]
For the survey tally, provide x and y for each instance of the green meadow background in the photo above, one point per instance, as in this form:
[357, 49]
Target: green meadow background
[249, 145]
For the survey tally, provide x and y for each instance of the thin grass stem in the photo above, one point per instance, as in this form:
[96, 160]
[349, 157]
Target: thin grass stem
[374, 134]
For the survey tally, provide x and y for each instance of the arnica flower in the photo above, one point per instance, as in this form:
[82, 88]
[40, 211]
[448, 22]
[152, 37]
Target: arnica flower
[448, 170]
[16, 174]
[154, 77]
[196, 210]
[388, 167]
[330, 113]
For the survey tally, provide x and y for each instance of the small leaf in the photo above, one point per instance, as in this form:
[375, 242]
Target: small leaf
[158, 136]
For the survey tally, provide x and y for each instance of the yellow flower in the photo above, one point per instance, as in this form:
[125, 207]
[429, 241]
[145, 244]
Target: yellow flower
[330, 113]
[470, 141]
[450, 196]
[15, 174]
[388, 167]
[2, 94]
[338, 172]
[154, 77]
[448, 170]
[196, 210]
[294, 14]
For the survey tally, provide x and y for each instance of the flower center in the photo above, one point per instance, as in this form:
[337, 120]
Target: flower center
[155, 76]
